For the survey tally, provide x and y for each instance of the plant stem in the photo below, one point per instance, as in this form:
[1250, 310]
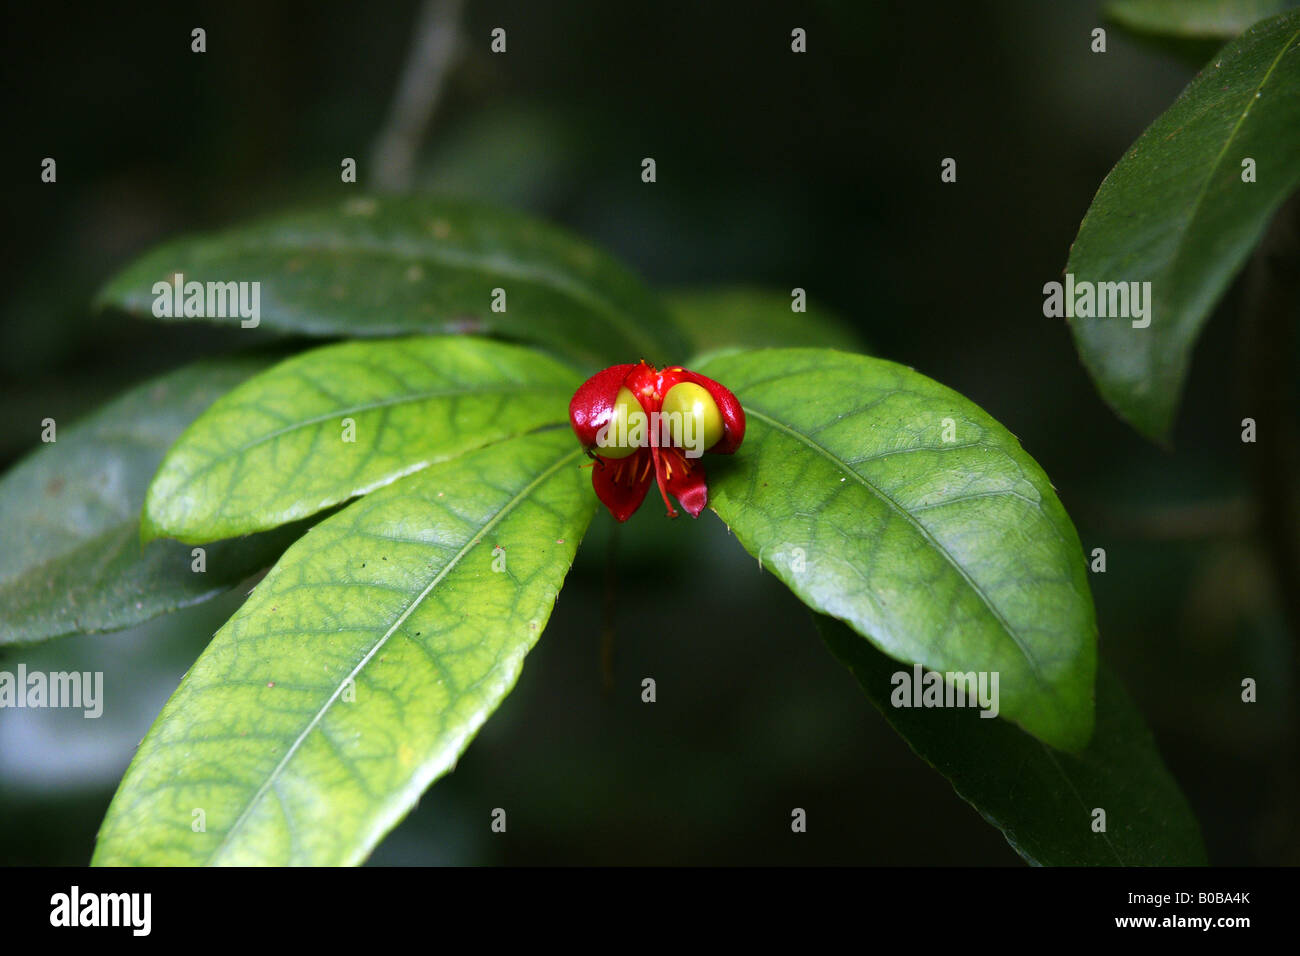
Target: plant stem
[433, 53]
[608, 609]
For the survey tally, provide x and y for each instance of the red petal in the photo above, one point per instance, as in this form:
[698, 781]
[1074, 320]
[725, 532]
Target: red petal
[621, 483]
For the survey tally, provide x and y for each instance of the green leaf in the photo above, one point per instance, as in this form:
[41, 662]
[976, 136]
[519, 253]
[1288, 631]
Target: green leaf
[277, 448]
[72, 560]
[416, 265]
[360, 668]
[1175, 213]
[1042, 800]
[1193, 19]
[955, 555]
[740, 317]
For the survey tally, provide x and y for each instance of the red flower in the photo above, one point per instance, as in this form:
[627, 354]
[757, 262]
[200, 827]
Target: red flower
[634, 419]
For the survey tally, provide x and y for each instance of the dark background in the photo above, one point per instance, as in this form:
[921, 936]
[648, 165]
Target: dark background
[820, 171]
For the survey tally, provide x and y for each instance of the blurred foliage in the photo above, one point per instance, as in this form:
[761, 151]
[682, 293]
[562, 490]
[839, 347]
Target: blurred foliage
[1179, 217]
[733, 317]
[1192, 30]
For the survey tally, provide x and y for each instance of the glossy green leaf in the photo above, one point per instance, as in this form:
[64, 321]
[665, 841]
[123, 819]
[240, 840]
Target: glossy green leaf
[341, 420]
[360, 668]
[72, 561]
[1175, 213]
[740, 317]
[1043, 800]
[417, 265]
[1193, 19]
[953, 554]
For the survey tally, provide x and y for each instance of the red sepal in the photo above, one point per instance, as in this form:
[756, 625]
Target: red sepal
[684, 479]
[593, 403]
[621, 483]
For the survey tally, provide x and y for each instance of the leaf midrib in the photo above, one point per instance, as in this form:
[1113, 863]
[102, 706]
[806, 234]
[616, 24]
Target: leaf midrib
[1074, 791]
[216, 460]
[486, 264]
[1198, 204]
[452, 563]
[918, 528]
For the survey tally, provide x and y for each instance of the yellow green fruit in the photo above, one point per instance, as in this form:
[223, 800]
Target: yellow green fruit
[629, 420]
[691, 400]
